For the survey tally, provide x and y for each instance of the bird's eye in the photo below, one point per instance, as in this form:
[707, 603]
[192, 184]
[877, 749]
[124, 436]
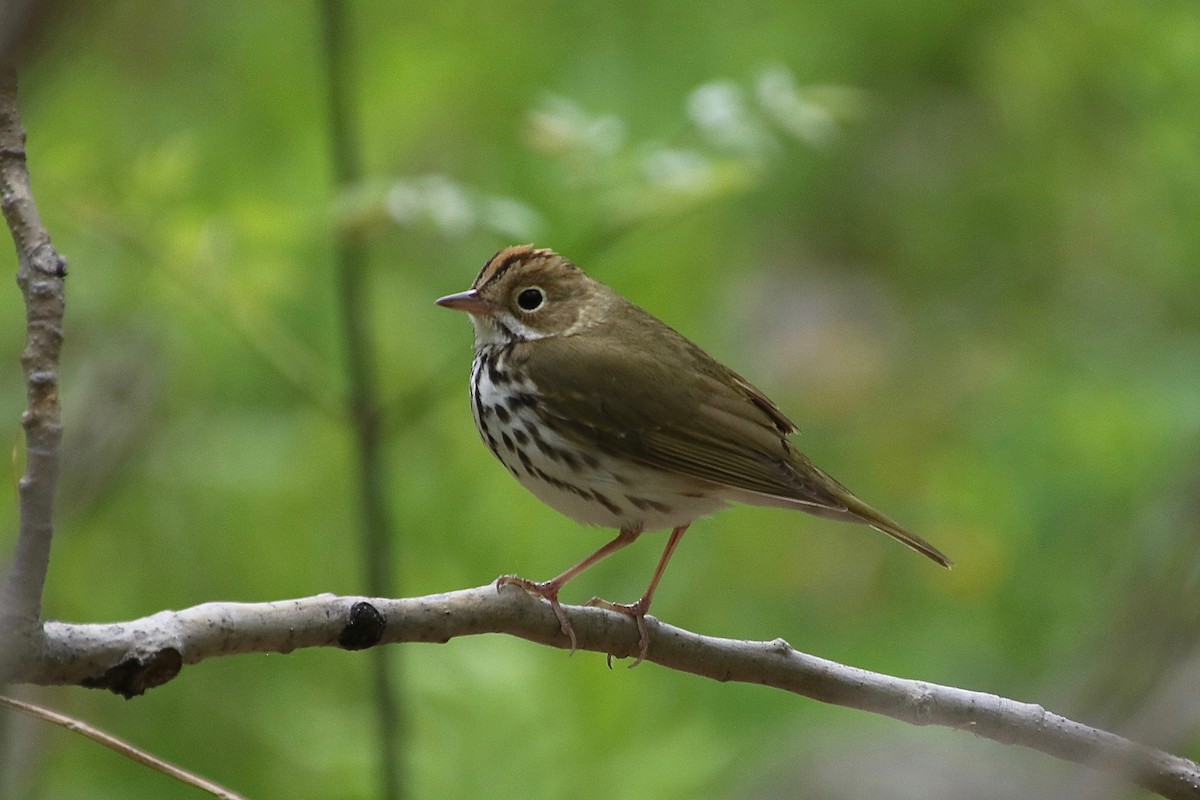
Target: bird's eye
[530, 299]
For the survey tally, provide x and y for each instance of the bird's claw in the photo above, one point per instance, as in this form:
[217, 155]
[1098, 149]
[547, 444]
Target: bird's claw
[547, 590]
[638, 612]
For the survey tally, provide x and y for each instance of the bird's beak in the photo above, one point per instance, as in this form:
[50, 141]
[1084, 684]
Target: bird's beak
[468, 301]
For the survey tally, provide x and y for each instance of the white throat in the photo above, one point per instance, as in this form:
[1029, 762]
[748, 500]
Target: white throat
[492, 331]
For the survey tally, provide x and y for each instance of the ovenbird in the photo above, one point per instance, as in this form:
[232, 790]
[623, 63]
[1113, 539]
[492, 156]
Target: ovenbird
[614, 419]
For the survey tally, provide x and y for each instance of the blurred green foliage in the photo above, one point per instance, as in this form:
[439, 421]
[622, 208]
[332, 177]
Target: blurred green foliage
[957, 242]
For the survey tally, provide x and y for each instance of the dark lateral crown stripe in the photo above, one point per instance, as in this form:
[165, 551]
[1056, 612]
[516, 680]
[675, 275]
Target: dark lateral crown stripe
[503, 261]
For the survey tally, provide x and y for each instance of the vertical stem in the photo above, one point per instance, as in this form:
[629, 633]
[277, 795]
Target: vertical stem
[363, 403]
[41, 275]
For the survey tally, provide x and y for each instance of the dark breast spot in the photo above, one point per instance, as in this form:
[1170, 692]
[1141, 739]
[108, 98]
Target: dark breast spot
[551, 453]
[645, 504]
[561, 485]
[523, 399]
[476, 400]
[589, 459]
[492, 443]
[606, 502]
[494, 374]
[622, 478]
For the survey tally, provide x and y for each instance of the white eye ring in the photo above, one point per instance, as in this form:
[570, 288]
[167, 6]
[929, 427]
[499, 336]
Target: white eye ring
[531, 299]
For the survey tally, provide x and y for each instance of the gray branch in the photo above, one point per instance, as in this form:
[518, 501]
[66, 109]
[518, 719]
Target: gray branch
[130, 657]
[41, 273]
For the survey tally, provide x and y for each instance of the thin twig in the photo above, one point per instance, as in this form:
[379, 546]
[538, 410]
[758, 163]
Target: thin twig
[363, 400]
[41, 273]
[133, 656]
[121, 746]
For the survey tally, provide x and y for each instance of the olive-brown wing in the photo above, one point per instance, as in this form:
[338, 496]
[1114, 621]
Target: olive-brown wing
[670, 406]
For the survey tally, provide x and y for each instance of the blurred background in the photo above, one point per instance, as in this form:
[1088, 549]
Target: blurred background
[956, 242]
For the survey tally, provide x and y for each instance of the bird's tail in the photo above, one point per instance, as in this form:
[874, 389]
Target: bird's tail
[859, 511]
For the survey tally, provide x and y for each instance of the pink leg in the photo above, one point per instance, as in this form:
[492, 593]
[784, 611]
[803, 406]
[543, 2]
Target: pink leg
[639, 609]
[549, 589]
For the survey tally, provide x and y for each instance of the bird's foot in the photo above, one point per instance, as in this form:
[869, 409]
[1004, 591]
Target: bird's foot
[548, 590]
[638, 612]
